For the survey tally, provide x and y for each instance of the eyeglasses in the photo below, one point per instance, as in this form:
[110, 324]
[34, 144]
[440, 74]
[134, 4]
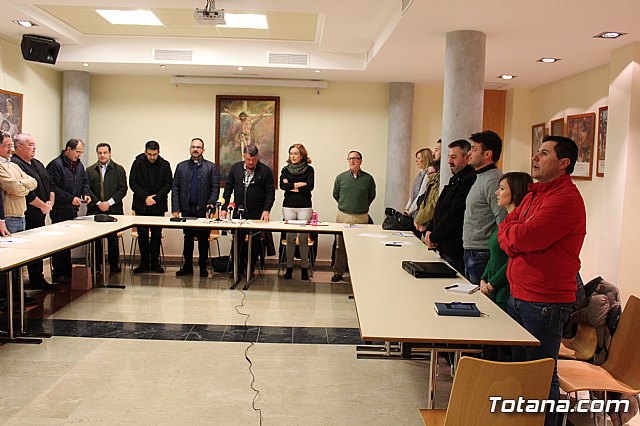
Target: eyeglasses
[197, 147]
[354, 158]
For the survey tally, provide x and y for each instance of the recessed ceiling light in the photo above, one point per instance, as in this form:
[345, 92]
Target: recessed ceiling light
[609, 34]
[240, 68]
[549, 60]
[245, 20]
[85, 64]
[507, 76]
[316, 71]
[130, 17]
[27, 24]
[163, 66]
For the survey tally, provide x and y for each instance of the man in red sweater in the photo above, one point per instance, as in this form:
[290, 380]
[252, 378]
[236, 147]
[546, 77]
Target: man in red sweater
[543, 237]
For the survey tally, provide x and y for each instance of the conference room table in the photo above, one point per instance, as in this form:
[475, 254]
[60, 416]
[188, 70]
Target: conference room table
[391, 304]
[394, 306]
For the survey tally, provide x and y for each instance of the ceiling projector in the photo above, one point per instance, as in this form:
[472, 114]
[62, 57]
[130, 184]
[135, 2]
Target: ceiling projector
[210, 17]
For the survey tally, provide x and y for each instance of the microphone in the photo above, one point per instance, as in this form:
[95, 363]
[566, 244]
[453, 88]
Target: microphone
[211, 209]
[230, 209]
[220, 202]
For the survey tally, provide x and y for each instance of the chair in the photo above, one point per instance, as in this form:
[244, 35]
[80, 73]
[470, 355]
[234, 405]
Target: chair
[582, 346]
[477, 379]
[283, 253]
[214, 235]
[620, 372]
[120, 236]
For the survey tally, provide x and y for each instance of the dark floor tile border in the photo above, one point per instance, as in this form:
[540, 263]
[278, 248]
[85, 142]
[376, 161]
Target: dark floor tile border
[196, 332]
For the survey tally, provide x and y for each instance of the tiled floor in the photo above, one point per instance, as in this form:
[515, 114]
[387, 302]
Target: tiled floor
[169, 350]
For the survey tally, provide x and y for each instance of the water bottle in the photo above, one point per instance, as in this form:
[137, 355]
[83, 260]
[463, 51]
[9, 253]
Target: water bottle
[314, 218]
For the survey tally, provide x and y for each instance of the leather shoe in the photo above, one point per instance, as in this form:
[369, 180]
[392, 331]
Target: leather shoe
[204, 272]
[41, 284]
[184, 271]
[336, 277]
[288, 273]
[143, 267]
[304, 276]
[157, 268]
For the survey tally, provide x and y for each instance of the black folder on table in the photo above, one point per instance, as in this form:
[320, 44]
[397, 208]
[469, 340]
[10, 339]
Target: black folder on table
[429, 269]
[457, 309]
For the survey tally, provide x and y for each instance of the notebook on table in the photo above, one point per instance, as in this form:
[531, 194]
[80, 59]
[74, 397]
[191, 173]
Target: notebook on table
[457, 309]
[429, 269]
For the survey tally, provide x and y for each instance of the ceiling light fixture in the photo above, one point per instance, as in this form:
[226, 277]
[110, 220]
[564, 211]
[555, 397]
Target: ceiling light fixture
[549, 60]
[130, 17]
[609, 34]
[507, 76]
[245, 20]
[316, 71]
[85, 64]
[240, 68]
[24, 23]
[163, 66]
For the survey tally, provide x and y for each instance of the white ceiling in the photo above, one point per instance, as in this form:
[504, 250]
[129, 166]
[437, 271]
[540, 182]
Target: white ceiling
[407, 47]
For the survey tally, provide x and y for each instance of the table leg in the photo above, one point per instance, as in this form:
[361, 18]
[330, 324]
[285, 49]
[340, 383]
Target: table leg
[236, 253]
[433, 374]
[104, 268]
[11, 337]
[249, 265]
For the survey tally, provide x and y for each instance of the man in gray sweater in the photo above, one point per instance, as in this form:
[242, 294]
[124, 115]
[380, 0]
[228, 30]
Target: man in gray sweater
[482, 213]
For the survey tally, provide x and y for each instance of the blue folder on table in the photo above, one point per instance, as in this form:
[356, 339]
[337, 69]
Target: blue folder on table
[457, 309]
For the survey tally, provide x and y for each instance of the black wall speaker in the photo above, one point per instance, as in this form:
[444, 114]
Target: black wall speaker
[39, 49]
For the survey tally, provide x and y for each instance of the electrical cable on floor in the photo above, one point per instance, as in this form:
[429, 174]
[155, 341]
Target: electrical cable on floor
[246, 355]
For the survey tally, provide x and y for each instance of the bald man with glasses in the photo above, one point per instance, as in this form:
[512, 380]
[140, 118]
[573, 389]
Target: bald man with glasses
[354, 190]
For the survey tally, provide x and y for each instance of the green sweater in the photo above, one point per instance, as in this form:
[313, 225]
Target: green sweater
[495, 272]
[354, 196]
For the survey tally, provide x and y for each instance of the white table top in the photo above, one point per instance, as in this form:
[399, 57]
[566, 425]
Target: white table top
[323, 228]
[394, 306]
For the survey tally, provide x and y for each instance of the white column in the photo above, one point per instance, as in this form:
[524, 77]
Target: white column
[463, 90]
[620, 204]
[75, 108]
[399, 154]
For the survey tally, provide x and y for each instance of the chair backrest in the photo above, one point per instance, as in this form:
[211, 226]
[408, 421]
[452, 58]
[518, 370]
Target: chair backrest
[623, 362]
[582, 346]
[476, 380]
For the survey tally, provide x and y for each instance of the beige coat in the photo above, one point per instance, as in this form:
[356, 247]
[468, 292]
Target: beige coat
[15, 185]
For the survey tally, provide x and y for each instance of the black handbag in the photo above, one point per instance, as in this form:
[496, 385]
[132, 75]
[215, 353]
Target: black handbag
[396, 221]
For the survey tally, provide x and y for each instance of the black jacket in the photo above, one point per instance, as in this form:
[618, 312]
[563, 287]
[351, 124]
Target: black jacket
[448, 217]
[261, 193]
[67, 185]
[37, 171]
[114, 186]
[302, 198]
[147, 179]
[208, 186]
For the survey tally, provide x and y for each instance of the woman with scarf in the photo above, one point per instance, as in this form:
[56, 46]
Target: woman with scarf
[297, 181]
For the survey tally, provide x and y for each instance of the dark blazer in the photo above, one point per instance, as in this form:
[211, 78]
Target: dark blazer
[147, 179]
[114, 186]
[66, 184]
[261, 193]
[208, 185]
[448, 217]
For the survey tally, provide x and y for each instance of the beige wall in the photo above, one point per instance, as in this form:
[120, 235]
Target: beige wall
[129, 110]
[40, 86]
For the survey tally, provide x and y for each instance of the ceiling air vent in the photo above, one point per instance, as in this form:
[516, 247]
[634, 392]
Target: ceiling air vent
[301, 60]
[164, 55]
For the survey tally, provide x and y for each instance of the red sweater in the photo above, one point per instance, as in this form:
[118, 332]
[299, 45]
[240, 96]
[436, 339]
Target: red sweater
[543, 237]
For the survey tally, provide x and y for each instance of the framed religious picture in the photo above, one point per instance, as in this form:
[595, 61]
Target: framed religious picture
[581, 128]
[557, 127]
[11, 111]
[538, 132]
[247, 120]
[603, 113]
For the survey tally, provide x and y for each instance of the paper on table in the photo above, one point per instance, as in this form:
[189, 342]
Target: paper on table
[372, 235]
[88, 217]
[403, 234]
[464, 288]
[351, 225]
[48, 233]
[9, 241]
[295, 222]
[67, 225]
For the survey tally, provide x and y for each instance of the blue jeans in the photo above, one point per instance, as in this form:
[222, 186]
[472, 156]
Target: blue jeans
[474, 263]
[545, 322]
[15, 224]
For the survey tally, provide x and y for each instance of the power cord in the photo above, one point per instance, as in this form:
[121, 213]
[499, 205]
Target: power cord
[246, 355]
